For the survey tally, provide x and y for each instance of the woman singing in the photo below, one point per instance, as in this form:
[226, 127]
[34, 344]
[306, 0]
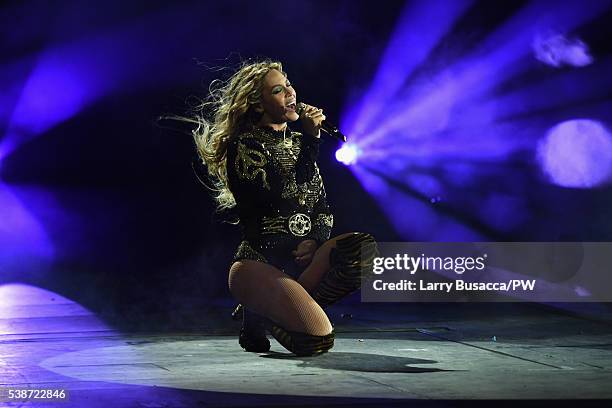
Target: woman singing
[286, 269]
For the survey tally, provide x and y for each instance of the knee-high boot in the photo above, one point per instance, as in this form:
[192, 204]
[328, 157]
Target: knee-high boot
[350, 260]
[301, 344]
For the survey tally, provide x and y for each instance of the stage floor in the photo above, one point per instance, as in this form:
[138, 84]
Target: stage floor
[385, 355]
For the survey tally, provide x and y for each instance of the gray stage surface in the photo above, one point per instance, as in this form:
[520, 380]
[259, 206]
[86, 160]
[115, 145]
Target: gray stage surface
[385, 355]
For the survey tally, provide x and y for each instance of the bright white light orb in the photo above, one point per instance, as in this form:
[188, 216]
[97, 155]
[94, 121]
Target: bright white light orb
[347, 154]
[577, 153]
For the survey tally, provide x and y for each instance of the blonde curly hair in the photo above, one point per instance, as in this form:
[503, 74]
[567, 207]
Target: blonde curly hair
[233, 104]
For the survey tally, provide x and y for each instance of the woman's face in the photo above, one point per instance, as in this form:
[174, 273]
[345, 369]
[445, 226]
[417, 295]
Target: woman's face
[278, 99]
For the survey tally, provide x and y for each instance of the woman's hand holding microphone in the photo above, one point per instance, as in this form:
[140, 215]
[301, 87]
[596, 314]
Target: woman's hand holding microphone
[312, 119]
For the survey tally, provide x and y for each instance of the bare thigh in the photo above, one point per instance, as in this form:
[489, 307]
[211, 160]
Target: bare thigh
[271, 293]
[319, 266]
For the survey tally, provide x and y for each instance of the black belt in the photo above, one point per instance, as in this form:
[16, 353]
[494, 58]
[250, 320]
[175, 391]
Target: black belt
[298, 224]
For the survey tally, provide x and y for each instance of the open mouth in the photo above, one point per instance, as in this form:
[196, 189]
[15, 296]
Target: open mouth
[291, 106]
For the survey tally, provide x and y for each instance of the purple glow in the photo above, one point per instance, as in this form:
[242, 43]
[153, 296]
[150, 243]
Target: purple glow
[425, 184]
[54, 92]
[14, 296]
[471, 143]
[504, 211]
[66, 78]
[455, 115]
[582, 292]
[413, 219]
[434, 103]
[557, 90]
[557, 50]
[17, 294]
[411, 43]
[347, 154]
[577, 153]
[22, 237]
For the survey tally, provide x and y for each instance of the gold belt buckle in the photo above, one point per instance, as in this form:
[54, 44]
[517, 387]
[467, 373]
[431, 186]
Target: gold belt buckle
[299, 224]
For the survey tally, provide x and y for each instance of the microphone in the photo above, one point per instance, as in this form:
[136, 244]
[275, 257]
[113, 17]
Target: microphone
[330, 129]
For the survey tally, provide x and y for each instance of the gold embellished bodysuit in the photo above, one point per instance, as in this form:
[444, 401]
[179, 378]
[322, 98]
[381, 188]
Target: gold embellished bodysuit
[279, 192]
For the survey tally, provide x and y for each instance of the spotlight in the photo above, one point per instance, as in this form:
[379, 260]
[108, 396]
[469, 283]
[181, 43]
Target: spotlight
[577, 153]
[556, 50]
[348, 154]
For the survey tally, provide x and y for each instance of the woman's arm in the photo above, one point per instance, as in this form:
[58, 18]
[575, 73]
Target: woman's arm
[321, 218]
[322, 221]
[309, 153]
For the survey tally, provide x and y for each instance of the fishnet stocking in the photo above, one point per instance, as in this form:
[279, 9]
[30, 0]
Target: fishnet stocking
[273, 294]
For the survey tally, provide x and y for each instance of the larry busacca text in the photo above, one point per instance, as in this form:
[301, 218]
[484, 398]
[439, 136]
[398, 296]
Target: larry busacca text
[457, 285]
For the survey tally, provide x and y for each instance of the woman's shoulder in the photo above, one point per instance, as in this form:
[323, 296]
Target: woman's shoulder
[252, 134]
[252, 140]
[245, 138]
[259, 136]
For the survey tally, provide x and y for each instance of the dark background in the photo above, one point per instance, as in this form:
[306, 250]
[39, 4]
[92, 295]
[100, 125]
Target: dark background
[113, 188]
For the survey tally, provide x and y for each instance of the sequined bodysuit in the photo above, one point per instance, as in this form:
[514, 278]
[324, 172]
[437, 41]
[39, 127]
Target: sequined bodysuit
[279, 192]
